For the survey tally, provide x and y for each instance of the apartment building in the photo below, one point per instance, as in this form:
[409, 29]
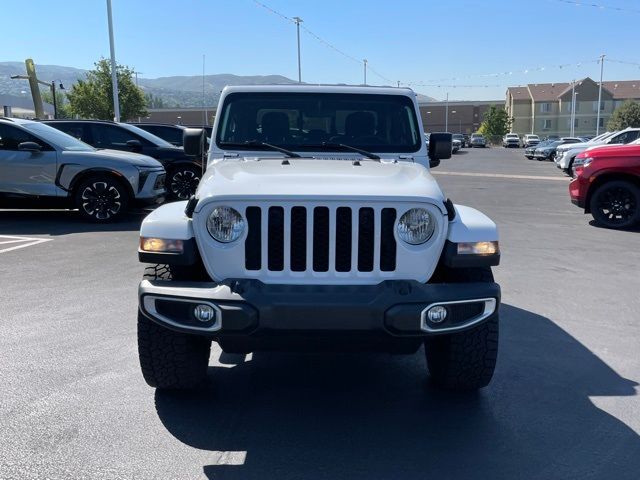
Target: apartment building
[545, 108]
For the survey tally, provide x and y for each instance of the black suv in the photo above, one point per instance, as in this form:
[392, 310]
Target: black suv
[183, 171]
[170, 133]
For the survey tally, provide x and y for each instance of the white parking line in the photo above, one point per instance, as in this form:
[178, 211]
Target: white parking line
[22, 242]
[502, 175]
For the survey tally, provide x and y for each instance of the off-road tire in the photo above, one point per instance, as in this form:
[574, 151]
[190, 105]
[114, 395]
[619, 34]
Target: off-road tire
[170, 360]
[466, 360]
[101, 198]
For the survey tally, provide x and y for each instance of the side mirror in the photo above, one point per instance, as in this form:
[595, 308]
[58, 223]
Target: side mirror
[29, 147]
[194, 141]
[440, 147]
[134, 145]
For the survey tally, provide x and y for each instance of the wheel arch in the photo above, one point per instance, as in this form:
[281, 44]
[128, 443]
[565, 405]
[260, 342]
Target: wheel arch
[89, 172]
[605, 178]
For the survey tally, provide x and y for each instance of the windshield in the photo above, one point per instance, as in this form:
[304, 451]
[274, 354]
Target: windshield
[512, 135]
[306, 121]
[157, 141]
[458, 136]
[57, 138]
[602, 137]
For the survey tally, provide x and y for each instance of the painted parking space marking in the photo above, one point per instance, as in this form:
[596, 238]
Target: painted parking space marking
[503, 175]
[9, 243]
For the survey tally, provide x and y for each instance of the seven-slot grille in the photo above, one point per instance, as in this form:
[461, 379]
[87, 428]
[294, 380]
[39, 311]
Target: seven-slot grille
[320, 239]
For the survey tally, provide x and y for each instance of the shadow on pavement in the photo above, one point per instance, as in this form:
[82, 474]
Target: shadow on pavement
[376, 416]
[62, 222]
[633, 229]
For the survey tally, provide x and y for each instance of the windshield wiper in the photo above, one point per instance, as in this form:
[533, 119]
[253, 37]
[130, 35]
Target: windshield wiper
[370, 155]
[256, 143]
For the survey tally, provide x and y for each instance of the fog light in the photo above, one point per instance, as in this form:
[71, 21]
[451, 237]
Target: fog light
[204, 313]
[478, 248]
[437, 314]
[161, 245]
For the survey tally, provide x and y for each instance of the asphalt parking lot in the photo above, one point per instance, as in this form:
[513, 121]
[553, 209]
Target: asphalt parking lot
[563, 404]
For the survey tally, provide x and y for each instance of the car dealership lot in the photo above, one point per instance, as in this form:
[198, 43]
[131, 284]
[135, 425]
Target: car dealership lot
[563, 402]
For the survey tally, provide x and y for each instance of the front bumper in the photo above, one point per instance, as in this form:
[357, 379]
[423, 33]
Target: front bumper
[578, 191]
[249, 308]
[152, 188]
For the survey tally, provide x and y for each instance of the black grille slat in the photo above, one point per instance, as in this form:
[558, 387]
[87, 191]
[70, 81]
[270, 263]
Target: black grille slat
[298, 239]
[252, 245]
[275, 255]
[387, 240]
[320, 239]
[343, 239]
[366, 239]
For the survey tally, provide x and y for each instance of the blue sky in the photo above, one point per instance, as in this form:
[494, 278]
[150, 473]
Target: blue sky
[414, 41]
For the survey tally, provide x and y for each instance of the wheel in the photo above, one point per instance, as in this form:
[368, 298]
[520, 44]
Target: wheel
[183, 181]
[465, 360]
[616, 204]
[101, 198]
[168, 359]
[569, 169]
[552, 157]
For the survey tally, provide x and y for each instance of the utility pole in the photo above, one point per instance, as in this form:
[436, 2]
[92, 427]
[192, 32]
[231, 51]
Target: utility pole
[114, 77]
[298, 21]
[364, 62]
[599, 95]
[446, 114]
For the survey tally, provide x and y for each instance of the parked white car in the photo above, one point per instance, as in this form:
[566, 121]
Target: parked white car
[317, 224]
[565, 154]
[530, 140]
[511, 140]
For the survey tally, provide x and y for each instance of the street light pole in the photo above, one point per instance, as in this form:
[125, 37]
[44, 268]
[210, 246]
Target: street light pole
[114, 77]
[573, 108]
[298, 21]
[599, 95]
[365, 70]
[55, 104]
[446, 114]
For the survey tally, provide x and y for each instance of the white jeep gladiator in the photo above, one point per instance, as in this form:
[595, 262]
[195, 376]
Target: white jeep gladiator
[318, 226]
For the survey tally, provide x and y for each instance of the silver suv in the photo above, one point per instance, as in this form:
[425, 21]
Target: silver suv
[46, 168]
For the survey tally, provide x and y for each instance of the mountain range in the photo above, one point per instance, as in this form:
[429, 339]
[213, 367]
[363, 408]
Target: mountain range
[174, 91]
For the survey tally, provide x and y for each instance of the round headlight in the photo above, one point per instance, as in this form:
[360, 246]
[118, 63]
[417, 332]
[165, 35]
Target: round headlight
[225, 224]
[416, 226]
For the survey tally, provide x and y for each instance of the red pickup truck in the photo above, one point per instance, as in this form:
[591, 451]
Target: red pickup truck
[607, 184]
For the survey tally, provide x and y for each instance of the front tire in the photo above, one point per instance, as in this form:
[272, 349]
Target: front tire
[101, 198]
[170, 360]
[616, 204]
[465, 360]
[183, 181]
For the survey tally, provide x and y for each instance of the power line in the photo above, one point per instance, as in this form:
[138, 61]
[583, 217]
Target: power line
[322, 41]
[598, 5]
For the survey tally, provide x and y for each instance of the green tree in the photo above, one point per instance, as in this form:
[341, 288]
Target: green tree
[495, 123]
[62, 104]
[93, 97]
[154, 101]
[626, 115]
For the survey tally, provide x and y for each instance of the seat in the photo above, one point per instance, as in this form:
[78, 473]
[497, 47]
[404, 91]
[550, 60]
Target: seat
[275, 128]
[360, 124]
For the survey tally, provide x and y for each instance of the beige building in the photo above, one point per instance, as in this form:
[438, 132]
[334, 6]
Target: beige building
[545, 108]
